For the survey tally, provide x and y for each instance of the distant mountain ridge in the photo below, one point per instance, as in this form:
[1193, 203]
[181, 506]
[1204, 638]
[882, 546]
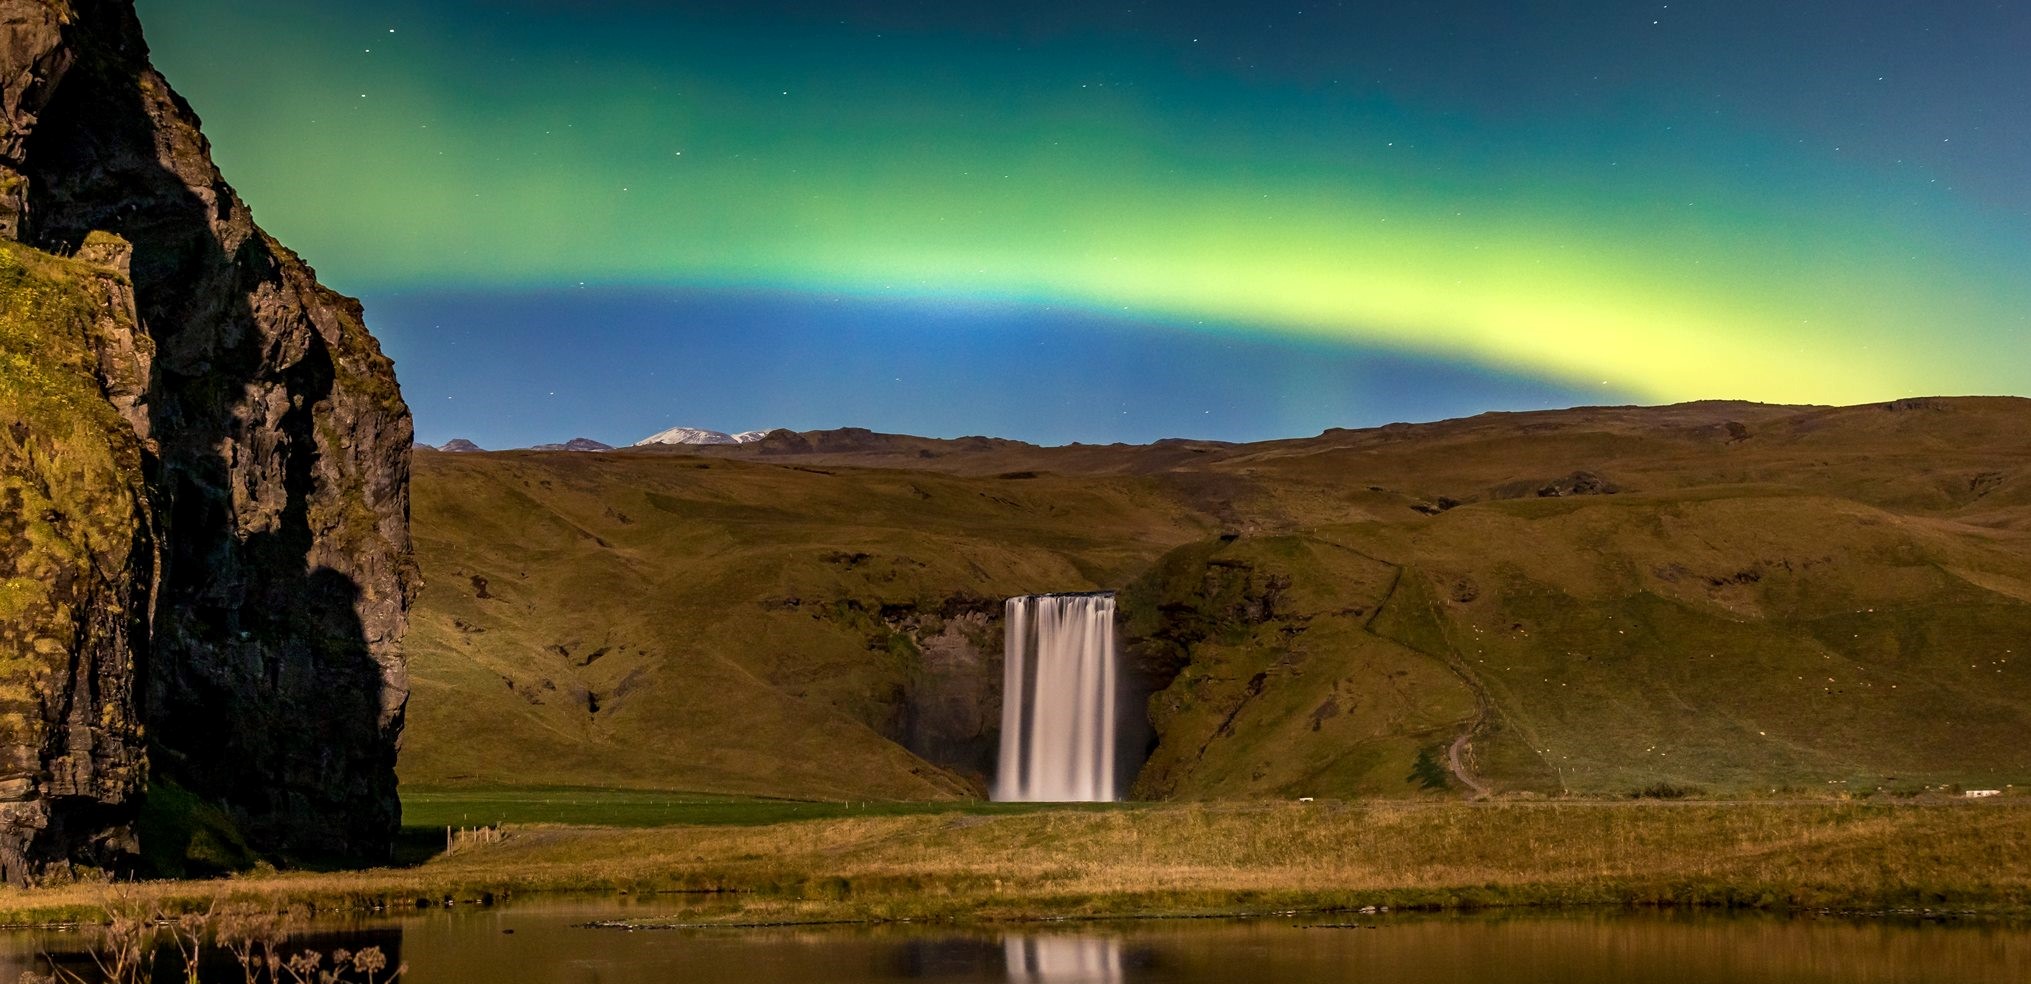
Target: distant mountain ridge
[691, 437]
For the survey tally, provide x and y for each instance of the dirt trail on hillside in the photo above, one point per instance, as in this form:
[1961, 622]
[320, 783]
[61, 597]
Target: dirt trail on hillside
[1456, 756]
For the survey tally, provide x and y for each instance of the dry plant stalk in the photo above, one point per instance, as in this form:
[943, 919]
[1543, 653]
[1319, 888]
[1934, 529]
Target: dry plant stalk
[252, 935]
[188, 932]
[127, 940]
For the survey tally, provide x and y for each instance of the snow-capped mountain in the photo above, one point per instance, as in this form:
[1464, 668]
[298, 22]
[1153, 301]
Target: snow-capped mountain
[699, 435]
[575, 444]
[687, 435]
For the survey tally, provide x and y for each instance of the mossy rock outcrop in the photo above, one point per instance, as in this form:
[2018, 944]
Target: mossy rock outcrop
[76, 561]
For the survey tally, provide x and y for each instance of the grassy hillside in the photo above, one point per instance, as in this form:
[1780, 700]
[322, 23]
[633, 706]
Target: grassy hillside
[653, 621]
[1725, 598]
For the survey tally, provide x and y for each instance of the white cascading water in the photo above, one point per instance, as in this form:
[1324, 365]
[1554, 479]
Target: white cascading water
[1057, 705]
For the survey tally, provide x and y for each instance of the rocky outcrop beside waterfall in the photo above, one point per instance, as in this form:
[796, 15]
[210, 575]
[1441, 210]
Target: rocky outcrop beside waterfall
[205, 459]
[1200, 599]
[951, 714]
[944, 702]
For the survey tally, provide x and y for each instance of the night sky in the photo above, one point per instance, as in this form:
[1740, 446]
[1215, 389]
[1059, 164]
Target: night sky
[1059, 222]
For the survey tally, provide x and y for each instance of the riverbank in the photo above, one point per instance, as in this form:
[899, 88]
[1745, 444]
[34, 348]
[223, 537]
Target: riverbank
[1201, 859]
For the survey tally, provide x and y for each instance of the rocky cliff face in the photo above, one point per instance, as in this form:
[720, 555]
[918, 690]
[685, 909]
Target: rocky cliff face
[949, 711]
[243, 595]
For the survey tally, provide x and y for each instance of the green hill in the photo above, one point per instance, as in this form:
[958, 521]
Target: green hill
[1721, 597]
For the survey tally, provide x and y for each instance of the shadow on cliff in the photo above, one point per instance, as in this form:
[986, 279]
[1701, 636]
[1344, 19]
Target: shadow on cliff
[261, 696]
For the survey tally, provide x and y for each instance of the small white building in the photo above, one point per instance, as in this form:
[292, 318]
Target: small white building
[1975, 794]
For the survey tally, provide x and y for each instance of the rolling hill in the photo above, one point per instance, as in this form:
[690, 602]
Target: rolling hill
[1729, 598]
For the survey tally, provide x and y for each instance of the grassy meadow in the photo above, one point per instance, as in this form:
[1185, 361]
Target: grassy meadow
[742, 864]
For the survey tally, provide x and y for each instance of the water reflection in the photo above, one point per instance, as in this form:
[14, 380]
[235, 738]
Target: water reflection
[549, 943]
[1063, 959]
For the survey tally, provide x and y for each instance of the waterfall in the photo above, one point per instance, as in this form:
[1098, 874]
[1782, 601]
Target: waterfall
[1057, 703]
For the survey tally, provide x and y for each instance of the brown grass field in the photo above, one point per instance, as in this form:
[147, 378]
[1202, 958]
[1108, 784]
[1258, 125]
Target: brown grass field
[1201, 859]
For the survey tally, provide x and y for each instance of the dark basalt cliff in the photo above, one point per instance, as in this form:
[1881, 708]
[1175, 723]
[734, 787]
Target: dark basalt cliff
[204, 461]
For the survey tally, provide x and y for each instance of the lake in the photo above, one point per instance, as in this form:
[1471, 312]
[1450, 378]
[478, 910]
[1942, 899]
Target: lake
[547, 942]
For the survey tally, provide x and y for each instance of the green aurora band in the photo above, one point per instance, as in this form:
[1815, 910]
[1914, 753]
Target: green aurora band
[1702, 258]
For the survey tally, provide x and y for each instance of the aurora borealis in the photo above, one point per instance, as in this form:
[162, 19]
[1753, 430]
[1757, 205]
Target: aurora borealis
[1493, 209]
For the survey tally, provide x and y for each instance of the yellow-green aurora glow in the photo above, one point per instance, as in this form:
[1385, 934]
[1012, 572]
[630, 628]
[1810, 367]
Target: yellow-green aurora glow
[1676, 246]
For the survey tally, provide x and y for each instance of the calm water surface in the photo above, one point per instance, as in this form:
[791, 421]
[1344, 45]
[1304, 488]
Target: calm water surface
[543, 943]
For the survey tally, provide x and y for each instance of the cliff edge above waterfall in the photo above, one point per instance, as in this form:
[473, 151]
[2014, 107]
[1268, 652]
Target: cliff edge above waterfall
[204, 458]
